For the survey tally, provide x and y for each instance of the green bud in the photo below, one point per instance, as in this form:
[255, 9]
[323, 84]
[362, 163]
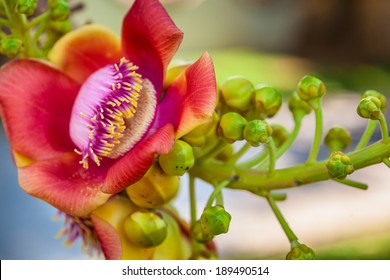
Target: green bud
[26, 7]
[231, 127]
[199, 234]
[59, 10]
[378, 95]
[267, 102]
[339, 165]
[337, 138]
[310, 87]
[215, 220]
[370, 108]
[237, 93]
[300, 252]
[179, 160]
[298, 106]
[11, 47]
[256, 132]
[279, 134]
[145, 229]
[202, 134]
[226, 153]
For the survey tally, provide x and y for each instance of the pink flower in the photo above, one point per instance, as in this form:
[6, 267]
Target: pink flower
[92, 122]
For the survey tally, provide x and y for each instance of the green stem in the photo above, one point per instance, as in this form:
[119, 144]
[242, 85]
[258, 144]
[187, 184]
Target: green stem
[367, 134]
[318, 131]
[218, 189]
[254, 161]
[192, 200]
[351, 183]
[239, 154]
[384, 128]
[282, 221]
[387, 162]
[214, 151]
[44, 20]
[272, 157]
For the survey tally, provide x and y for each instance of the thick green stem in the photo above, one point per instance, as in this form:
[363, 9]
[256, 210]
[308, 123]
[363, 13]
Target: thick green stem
[272, 157]
[315, 148]
[384, 128]
[367, 134]
[282, 221]
[387, 162]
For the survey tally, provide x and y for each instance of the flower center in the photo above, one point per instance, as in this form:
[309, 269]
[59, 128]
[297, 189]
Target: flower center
[111, 100]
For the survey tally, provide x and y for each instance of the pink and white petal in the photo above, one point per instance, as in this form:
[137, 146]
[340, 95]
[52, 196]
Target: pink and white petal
[150, 39]
[132, 167]
[191, 99]
[85, 50]
[109, 239]
[65, 184]
[35, 105]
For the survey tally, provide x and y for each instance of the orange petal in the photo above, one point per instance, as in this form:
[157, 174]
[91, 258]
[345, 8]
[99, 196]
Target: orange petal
[85, 50]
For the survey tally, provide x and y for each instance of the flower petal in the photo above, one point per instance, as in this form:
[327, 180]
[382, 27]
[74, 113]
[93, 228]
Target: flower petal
[150, 39]
[65, 184]
[137, 161]
[85, 50]
[108, 238]
[193, 95]
[35, 104]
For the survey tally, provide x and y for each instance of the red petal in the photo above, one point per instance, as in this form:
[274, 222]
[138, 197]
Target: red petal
[137, 161]
[35, 104]
[65, 184]
[150, 39]
[108, 238]
[193, 95]
[85, 50]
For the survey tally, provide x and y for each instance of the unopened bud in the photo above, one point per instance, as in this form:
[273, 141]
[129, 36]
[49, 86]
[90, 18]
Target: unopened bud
[59, 10]
[26, 7]
[337, 138]
[370, 108]
[199, 234]
[11, 47]
[310, 87]
[145, 229]
[256, 132]
[179, 160]
[300, 252]
[279, 134]
[201, 135]
[215, 220]
[267, 101]
[377, 94]
[231, 127]
[339, 165]
[298, 106]
[237, 92]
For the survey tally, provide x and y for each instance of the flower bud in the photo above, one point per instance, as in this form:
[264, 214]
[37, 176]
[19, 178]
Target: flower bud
[26, 7]
[145, 229]
[370, 108]
[11, 47]
[199, 234]
[226, 153]
[267, 101]
[310, 87]
[231, 127]
[301, 252]
[339, 165]
[155, 189]
[298, 106]
[215, 220]
[59, 10]
[337, 138]
[377, 94]
[279, 134]
[237, 93]
[256, 132]
[201, 135]
[179, 160]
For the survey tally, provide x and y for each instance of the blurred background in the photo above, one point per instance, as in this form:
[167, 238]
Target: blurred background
[344, 42]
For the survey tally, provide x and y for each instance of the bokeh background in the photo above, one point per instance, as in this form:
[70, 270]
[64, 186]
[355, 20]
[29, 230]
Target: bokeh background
[276, 42]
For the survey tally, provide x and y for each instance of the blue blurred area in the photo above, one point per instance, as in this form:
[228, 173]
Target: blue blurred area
[27, 227]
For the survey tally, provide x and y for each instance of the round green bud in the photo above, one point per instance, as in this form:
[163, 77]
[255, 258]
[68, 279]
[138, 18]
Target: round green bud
[179, 160]
[59, 10]
[267, 102]
[337, 138]
[226, 153]
[199, 234]
[237, 93]
[202, 134]
[231, 127]
[298, 106]
[155, 189]
[301, 252]
[256, 132]
[378, 95]
[279, 134]
[370, 108]
[310, 87]
[215, 220]
[339, 165]
[26, 7]
[10, 47]
[145, 229]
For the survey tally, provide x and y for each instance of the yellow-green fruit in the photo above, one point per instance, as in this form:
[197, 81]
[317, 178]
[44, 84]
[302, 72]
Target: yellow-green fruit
[155, 189]
[237, 93]
[145, 229]
[179, 160]
[231, 127]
